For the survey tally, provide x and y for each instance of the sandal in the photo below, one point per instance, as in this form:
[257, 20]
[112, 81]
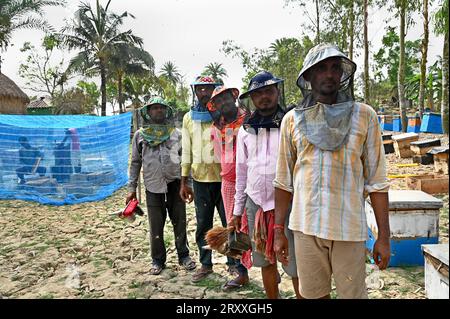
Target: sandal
[188, 264]
[234, 284]
[156, 269]
[201, 274]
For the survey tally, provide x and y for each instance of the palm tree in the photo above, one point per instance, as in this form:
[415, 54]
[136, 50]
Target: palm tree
[96, 33]
[170, 72]
[21, 14]
[216, 71]
[127, 59]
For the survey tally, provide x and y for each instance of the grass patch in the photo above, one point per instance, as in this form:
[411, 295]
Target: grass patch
[210, 283]
[47, 296]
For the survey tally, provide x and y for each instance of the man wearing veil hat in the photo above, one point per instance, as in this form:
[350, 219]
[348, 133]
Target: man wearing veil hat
[256, 154]
[330, 159]
[198, 160]
[157, 148]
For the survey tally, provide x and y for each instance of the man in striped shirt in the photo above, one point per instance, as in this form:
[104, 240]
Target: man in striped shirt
[330, 158]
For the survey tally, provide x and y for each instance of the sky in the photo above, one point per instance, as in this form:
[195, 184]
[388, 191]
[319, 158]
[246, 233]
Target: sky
[190, 32]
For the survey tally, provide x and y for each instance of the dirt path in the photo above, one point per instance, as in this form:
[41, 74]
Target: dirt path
[79, 251]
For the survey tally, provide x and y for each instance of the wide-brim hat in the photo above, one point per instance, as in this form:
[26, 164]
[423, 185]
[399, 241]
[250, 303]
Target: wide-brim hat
[320, 53]
[260, 80]
[154, 101]
[220, 90]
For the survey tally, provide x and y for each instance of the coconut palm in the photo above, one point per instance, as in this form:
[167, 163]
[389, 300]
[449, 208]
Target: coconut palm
[20, 14]
[170, 72]
[95, 31]
[127, 59]
[216, 71]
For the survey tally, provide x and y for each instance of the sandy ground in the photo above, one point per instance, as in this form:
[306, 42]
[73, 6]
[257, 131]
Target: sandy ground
[79, 251]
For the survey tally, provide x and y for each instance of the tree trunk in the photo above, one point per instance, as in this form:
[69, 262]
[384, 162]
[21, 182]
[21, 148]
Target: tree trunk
[317, 23]
[351, 32]
[444, 101]
[120, 91]
[366, 55]
[401, 67]
[103, 87]
[423, 62]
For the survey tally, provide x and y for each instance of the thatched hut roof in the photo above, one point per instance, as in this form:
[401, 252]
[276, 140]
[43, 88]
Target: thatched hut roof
[9, 89]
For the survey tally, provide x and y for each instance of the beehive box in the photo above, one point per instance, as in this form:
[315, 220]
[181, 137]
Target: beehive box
[388, 144]
[422, 147]
[413, 124]
[436, 271]
[430, 184]
[402, 144]
[386, 122]
[414, 221]
[431, 123]
[396, 123]
[440, 157]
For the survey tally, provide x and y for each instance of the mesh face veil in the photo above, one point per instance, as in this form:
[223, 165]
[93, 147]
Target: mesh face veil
[320, 53]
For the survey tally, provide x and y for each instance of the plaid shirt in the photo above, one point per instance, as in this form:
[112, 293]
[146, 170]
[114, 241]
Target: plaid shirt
[329, 187]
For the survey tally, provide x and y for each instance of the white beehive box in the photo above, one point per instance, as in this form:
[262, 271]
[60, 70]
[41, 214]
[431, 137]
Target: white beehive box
[436, 271]
[414, 221]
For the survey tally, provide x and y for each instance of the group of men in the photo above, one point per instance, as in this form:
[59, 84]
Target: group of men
[294, 180]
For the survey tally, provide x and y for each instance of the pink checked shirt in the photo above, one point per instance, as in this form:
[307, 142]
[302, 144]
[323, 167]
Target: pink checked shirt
[256, 160]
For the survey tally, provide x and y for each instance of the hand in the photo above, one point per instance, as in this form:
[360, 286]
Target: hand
[281, 247]
[130, 196]
[382, 253]
[236, 223]
[186, 194]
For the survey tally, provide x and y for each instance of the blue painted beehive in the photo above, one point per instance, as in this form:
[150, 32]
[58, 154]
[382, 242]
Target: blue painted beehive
[397, 124]
[414, 221]
[413, 124]
[431, 123]
[386, 122]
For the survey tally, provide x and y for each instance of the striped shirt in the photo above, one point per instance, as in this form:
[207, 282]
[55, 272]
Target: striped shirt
[330, 187]
[197, 157]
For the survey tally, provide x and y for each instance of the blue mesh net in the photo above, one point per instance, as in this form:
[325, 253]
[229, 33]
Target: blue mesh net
[61, 160]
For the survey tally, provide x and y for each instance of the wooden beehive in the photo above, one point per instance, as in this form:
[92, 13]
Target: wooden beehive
[440, 157]
[388, 144]
[422, 147]
[430, 184]
[402, 144]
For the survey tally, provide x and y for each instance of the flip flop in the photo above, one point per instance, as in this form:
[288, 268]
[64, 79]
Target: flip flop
[156, 269]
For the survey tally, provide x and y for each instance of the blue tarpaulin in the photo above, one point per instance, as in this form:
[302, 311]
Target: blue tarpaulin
[61, 160]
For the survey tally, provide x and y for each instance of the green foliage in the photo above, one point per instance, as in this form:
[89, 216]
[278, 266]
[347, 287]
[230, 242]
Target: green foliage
[41, 75]
[441, 18]
[387, 58]
[283, 58]
[77, 100]
[95, 32]
[21, 14]
[216, 71]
